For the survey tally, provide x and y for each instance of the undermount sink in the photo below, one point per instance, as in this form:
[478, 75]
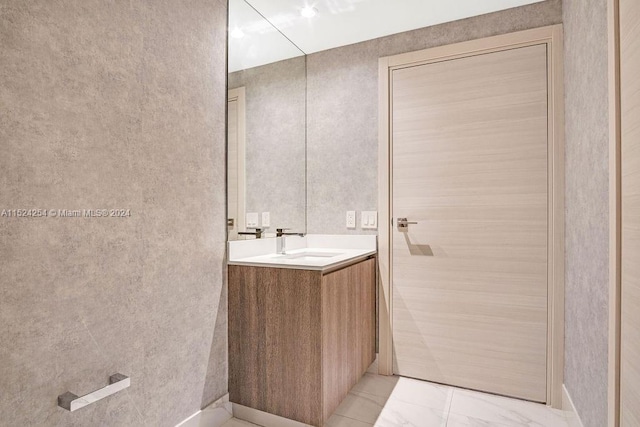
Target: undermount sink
[308, 255]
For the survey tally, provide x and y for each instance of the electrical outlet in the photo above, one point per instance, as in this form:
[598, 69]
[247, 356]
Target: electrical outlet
[369, 220]
[266, 219]
[351, 219]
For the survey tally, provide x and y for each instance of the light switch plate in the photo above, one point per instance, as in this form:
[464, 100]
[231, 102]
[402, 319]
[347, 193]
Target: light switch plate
[252, 220]
[369, 220]
[351, 219]
[266, 219]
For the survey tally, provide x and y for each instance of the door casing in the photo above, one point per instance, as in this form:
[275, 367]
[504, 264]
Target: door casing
[616, 86]
[552, 37]
[239, 96]
[615, 214]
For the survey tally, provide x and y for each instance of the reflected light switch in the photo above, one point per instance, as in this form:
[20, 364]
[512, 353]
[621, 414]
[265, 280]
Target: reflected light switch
[252, 220]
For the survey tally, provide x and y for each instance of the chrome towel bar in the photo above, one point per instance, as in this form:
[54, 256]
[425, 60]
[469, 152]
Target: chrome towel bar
[72, 402]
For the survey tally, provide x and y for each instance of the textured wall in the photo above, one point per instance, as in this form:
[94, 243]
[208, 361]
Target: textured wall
[587, 205]
[112, 104]
[275, 140]
[343, 109]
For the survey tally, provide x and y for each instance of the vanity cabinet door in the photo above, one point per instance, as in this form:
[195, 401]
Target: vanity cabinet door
[274, 341]
[348, 330]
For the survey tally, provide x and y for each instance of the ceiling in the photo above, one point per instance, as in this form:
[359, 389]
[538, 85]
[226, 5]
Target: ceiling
[337, 23]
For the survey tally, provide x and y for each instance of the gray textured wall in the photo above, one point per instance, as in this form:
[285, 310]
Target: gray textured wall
[112, 104]
[275, 140]
[343, 109]
[587, 205]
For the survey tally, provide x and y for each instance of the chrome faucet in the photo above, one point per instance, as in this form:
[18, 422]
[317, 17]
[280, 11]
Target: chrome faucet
[257, 232]
[280, 239]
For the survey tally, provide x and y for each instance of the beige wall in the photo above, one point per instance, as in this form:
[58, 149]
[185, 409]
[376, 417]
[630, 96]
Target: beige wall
[587, 208]
[112, 105]
[343, 109]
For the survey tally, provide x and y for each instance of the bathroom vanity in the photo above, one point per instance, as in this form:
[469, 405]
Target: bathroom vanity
[301, 328]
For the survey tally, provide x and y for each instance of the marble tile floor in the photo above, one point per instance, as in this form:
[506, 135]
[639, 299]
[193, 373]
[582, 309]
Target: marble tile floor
[383, 401]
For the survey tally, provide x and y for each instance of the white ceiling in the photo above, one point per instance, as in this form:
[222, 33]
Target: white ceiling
[337, 23]
[261, 44]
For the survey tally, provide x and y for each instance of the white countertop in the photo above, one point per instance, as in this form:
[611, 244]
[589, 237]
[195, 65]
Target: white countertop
[323, 252]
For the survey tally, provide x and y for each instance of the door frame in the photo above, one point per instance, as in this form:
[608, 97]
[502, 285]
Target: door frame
[239, 95]
[615, 214]
[551, 36]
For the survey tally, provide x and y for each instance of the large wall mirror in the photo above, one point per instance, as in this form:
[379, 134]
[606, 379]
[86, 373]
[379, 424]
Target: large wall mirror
[266, 128]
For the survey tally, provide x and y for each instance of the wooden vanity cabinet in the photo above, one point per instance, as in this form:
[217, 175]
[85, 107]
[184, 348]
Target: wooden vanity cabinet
[299, 339]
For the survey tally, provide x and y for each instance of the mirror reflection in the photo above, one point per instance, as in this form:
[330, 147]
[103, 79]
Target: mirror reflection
[266, 128]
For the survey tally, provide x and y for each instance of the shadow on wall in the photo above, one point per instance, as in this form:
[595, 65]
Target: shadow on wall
[217, 377]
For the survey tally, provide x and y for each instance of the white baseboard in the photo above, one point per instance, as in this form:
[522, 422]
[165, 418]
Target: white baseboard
[567, 405]
[264, 419]
[214, 415]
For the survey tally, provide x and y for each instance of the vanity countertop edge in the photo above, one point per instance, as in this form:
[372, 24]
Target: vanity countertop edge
[350, 257]
[324, 253]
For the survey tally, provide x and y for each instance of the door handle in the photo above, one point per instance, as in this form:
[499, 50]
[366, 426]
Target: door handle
[403, 224]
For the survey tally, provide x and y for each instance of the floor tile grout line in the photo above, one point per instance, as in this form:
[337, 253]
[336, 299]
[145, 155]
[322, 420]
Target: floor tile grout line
[445, 410]
[497, 423]
[370, 375]
[357, 395]
[355, 419]
[453, 392]
[396, 399]
[358, 392]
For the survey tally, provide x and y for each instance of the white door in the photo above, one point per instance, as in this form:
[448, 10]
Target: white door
[630, 192]
[235, 162]
[470, 167]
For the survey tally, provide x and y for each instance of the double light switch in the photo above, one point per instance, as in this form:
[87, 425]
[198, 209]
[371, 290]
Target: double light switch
[369, 220]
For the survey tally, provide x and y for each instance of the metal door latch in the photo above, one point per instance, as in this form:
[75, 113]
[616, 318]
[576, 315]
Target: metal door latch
[403, 224]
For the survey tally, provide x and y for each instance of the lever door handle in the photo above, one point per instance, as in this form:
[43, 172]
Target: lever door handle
[403, 224]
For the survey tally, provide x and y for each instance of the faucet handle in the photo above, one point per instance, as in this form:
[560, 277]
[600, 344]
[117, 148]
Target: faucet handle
[257, 232]
[280, 231]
